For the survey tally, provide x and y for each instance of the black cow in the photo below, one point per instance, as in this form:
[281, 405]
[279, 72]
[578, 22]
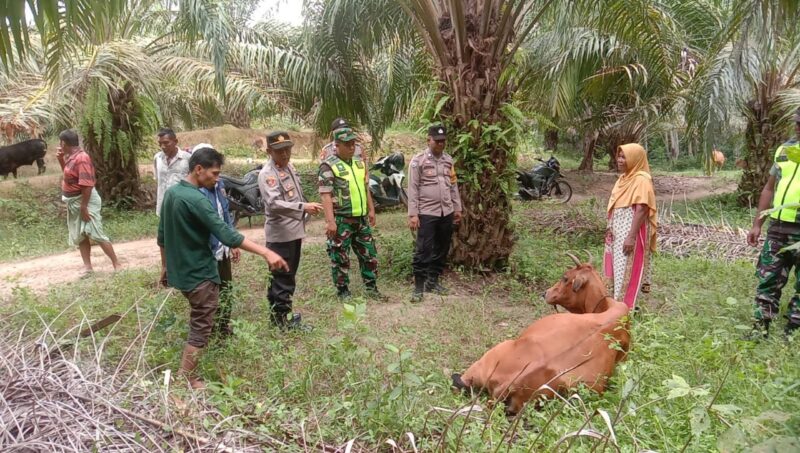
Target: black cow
[22, 153]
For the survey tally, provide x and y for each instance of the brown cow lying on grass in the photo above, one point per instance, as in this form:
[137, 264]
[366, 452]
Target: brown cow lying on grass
[559, 351]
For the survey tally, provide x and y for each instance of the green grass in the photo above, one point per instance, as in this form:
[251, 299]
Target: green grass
[715, 210]
[376, 371]
[33, 222]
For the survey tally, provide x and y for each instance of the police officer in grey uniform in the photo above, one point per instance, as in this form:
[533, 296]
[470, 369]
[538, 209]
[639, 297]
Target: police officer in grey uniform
[434, 207]
[330, 149]
[286, 213]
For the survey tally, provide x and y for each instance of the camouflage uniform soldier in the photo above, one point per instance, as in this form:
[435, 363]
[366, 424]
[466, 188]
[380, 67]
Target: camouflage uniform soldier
[434, 206]
[286, 213]
[349, 214]
[782, 188]
[330, 149]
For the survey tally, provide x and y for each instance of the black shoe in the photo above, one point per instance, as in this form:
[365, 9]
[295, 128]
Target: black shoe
[760, 330]
[419, 290]
[433, 286]
[296, 324]
[790, 329]
[342, 292]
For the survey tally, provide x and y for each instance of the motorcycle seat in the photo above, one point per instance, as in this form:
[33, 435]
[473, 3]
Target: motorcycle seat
[237, 182]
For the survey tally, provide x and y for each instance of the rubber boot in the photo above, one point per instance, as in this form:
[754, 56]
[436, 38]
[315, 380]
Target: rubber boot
[189, 360]
[419, 289]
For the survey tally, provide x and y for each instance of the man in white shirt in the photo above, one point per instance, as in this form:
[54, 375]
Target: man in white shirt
[170, 165]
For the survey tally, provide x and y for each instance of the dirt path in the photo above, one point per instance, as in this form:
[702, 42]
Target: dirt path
[38, 274]
[599, 184]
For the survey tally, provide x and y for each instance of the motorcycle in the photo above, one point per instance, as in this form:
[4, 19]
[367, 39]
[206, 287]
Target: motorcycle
[244, 196]
[387, 188]
[544, 181]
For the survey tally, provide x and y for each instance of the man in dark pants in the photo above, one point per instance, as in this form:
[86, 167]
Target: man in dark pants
[186, 222]
[286, 213]
[224, 255]
[434, 206]
[774, 264]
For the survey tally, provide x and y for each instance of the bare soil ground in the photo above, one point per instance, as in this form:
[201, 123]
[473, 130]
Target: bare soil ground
[40, 273]
[599, 185]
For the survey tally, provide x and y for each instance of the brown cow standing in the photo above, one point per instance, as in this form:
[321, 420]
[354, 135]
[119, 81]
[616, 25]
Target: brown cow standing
[560, 350]
[717, 160]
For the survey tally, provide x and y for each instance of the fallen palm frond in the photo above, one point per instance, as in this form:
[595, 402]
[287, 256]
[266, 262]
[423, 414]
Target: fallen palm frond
[57, 393]
[715, 239]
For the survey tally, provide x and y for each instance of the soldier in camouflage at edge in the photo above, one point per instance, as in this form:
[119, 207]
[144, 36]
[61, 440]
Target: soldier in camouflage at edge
[349, 214]
[783, 187]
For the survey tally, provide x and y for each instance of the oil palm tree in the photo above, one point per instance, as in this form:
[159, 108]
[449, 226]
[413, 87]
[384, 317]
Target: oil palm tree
[749, 71]
[108, 65]
[470, 47]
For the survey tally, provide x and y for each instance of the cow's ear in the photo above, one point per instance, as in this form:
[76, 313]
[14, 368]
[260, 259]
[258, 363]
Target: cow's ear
[578, 283]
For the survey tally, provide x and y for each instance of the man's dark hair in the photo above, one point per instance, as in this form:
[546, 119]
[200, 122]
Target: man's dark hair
[167, 132]
[69, 136]
[206, 158]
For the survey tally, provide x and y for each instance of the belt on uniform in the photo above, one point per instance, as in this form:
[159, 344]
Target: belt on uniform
[350, 220]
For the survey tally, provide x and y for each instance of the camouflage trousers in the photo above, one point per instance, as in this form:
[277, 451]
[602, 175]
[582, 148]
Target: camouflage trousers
[353, 232]
[773, 272]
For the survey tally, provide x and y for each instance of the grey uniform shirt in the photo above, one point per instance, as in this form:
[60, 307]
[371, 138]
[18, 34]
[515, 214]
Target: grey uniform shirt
[283, 203]
[432, 186]
[168, 174]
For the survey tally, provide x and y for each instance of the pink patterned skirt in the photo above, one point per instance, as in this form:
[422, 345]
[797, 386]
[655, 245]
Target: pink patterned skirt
[629, 274]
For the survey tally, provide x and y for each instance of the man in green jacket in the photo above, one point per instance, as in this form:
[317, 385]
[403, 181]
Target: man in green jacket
[187, 220]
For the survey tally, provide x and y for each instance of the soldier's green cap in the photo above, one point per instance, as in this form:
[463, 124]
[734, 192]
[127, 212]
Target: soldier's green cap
[344, 134]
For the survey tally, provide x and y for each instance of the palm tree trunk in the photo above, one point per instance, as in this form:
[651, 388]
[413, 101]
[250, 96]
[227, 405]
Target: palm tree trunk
[589, 145]
[762, 136]
[484, 239]
[112, 131]
[551, 139]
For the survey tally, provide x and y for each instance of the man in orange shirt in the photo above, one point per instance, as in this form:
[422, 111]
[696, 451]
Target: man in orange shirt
[83, 202]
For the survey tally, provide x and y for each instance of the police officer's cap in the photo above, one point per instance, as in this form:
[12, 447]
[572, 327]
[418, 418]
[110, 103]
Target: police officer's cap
[437, 132]
[344, 134]
[339, 123]
[278, 140]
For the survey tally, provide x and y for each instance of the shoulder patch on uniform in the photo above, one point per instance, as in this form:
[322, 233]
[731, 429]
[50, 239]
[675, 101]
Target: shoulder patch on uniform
[271, 181]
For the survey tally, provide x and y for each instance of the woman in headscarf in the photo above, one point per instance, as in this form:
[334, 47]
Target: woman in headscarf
[631, 232]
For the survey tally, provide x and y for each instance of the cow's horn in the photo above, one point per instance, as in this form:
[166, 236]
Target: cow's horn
[574, 258]
[591, 257]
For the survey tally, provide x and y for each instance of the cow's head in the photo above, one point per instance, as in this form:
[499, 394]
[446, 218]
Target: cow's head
[580, 290]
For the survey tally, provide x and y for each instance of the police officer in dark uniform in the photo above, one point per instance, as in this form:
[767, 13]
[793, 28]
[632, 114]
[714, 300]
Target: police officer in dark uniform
[434, 206]
[286, 212]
